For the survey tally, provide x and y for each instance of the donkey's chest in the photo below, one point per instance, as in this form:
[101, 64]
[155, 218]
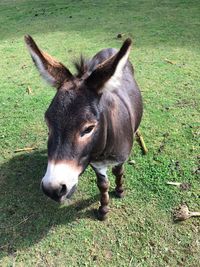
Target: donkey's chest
[102, 166]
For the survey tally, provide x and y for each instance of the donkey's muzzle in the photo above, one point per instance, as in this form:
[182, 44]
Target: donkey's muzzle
[55, 193]
[58, 194]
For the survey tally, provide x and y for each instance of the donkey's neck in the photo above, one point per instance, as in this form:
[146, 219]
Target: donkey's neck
[116, 133]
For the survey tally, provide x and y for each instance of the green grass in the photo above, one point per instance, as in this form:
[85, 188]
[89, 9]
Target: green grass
[35, 231]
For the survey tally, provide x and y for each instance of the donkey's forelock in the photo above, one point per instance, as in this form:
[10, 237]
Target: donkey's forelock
[81, 66]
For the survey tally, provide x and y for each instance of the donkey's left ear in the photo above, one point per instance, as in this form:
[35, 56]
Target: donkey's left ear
[107, 75]
[50, 69]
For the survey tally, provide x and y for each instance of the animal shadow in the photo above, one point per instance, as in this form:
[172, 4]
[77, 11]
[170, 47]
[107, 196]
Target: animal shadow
[26, 215]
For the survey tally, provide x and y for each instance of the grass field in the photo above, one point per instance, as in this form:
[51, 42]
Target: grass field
[35, 231]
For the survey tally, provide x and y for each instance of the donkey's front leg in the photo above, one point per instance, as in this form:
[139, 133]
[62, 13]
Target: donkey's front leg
[118, 171]
[103, 185]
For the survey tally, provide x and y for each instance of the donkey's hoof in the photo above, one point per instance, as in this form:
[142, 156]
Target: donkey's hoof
[101, 216]
[102, 213]
[119, 194]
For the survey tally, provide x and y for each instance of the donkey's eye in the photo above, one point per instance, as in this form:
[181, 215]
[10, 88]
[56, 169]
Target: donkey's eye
[87, 130]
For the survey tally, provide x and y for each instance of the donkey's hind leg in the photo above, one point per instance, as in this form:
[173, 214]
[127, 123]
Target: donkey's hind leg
[118, 171]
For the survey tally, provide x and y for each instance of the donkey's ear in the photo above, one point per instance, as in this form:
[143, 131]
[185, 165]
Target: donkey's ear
[107, 75]
[51, 70]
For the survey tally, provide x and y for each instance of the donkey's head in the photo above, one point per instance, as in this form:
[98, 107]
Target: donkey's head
[73, 117]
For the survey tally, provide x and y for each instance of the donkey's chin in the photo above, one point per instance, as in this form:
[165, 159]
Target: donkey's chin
[71, 192]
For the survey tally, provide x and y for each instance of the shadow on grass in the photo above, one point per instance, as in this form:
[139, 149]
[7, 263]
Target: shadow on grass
[26, 214]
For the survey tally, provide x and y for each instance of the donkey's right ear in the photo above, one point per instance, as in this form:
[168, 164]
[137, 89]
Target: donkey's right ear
[50, 69]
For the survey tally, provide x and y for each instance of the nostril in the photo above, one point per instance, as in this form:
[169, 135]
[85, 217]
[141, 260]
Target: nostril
[63, 190]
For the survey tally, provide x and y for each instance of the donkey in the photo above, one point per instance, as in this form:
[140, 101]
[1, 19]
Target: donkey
[92, 120]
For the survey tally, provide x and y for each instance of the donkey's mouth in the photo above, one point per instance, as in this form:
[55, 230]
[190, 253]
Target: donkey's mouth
[71, 192]
[66, 199]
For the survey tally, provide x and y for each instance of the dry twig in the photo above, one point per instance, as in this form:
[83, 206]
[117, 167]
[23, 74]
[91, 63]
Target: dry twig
[170, 61]
[183, 186]
[19, 223]
[25, 149]
[141, 142]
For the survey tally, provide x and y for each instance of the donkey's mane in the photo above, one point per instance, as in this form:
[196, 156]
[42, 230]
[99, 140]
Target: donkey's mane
[81, 66]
